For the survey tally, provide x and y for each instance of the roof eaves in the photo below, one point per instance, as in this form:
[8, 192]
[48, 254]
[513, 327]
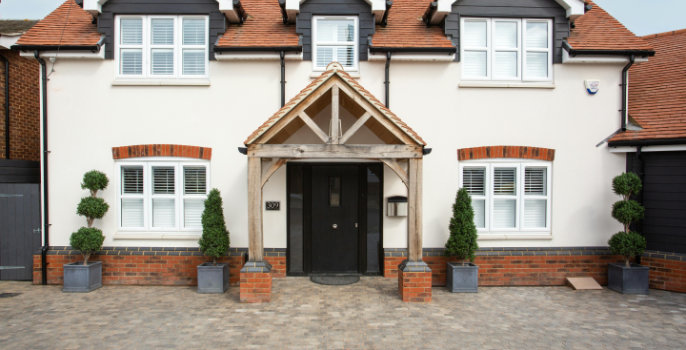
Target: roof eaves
[257, 48]
[613, 52]
[648, 142]
[448, 50]
[93, 48]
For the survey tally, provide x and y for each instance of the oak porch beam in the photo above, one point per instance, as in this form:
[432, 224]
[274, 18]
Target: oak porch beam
[397, 169]
[333, 151]
[356, 126]
[335, 116]
[310, 123]
[275, 165]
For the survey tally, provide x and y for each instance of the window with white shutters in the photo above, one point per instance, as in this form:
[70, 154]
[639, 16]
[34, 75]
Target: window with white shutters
[506, 49]
[334, 40]
[162, 46]
[162, 195]
[508, 197]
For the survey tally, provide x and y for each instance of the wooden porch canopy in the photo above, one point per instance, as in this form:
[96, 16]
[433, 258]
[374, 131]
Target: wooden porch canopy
[272, 145]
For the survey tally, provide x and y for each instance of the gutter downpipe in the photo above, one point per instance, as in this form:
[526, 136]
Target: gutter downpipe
[46, 225]
[387, 82]
[282, 56]
[625, 92]
[7, 106]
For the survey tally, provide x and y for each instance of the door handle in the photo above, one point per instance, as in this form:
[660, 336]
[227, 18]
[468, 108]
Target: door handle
[334, 226]
[356, 225]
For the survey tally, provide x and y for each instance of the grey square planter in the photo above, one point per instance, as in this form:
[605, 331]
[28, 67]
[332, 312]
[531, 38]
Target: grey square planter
[82, 278]
[628, 280]
[213, 279]
[462, 278]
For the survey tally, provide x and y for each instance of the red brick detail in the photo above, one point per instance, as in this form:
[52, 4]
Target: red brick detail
[414, 286]
[158, 150]
[523, 152]
[139, 269]
[523, 270]
[666, 274]
[278, 265]
[390, 265]
[24, 107]
[256, 287]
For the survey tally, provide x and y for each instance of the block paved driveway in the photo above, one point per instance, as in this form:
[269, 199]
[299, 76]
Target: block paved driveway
[366, 315]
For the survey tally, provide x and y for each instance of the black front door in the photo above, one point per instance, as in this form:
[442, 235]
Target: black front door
[335, 190]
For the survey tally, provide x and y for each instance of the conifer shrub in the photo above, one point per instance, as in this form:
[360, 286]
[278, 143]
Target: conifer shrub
[627, 243]
[88, 240]
[462, 242]
[214, 242]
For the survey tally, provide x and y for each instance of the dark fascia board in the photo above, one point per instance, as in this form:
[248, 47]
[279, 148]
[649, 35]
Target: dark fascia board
[447, 50]
[648, 142]
[92, 48]
[257, 48]
[575, 52]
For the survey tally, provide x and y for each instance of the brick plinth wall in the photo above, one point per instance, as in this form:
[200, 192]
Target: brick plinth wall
[139, 265]
[277, 258]
[518, 266]
[414, 286]
[256, 287]
[667, 270]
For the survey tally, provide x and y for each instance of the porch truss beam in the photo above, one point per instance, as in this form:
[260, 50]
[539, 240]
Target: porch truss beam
[356, 126]
[315, 128]
[397, 169]
[334, 151]
[275, 165]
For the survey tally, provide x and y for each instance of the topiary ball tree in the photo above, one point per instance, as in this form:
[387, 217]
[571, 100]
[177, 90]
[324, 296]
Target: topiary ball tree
[88, 240]
[627, 243]
[214, 242]
[462, 242]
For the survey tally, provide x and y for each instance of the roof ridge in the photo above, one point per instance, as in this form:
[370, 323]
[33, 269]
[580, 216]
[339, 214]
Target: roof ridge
[668, 33]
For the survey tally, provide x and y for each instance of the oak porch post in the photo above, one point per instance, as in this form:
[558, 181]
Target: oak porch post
[256, 278]
[414, 275]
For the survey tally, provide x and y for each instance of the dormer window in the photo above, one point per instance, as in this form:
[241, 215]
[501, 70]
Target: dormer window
[506, 49]
[161, 46]
[335, 39]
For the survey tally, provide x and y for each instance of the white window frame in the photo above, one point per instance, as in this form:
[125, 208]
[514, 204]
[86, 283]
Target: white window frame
[179, 196]
[520, 196]
[521, 49]
[355, 44]
[146, 47]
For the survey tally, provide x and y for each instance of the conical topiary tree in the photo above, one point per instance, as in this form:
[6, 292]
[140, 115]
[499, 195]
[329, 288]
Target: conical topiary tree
[214, 242]
[627, 243]
[462, 242]
[88, 240]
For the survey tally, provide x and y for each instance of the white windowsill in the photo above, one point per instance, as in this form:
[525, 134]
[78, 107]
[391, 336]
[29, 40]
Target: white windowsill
[502, 84]
[186, 236]
[160, 82]
[514, 236]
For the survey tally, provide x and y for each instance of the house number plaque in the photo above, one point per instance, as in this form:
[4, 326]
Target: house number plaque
[272, 205]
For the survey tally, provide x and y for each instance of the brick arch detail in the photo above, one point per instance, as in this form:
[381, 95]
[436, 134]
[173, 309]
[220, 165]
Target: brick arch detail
[521, 152]
[161, 150]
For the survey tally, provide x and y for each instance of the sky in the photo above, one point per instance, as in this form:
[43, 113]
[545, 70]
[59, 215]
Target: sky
[642, 17]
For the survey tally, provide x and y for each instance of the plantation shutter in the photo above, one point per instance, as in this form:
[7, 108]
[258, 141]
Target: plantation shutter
[474, 181]
[163, 207]
[132, 213]
[335, 41]
[504, 202]
[194, 183]
[535, 208]
[537, 50]
[506, 49]
[162, 34]
[131, 53]
[475, 42]
[193, 58]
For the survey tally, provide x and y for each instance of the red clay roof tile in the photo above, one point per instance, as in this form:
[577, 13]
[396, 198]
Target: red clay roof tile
[263, 27]
[68, 25]
[657, 90]
[597, 30]
[406, 29]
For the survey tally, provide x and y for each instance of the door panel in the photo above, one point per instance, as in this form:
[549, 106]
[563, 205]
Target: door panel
[335, 224]
[20, 236]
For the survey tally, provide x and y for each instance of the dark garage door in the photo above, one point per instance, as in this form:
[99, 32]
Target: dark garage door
[20, 234]
[664, 197]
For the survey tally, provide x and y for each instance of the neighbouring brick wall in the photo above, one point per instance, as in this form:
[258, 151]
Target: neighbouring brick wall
[517, 266]
[667, 270]
[24, 107]
[523, 152]
[161, 150]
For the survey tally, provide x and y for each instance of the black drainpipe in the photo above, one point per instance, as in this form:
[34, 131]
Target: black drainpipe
[387, 82]
[46, 225]
[639, 169]
[7, 106]
[625, 91]
[282, 55]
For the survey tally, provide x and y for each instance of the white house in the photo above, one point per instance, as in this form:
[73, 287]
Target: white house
[513, 102]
